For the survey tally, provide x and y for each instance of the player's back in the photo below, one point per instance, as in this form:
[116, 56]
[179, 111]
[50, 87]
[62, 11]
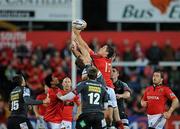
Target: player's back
[54, 108]
[104, 65]
[93, 95]
[17, 104]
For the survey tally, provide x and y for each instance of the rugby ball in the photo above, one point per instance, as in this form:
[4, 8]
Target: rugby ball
[79, 24]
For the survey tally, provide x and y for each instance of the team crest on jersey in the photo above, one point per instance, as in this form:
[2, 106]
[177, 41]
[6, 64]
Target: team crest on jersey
[161, 90]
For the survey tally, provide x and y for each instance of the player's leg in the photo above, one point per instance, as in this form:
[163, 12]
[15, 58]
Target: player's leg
[98, 121]
[18, 122]
[118, 122]
[66, 124]
[156, 121]
[124, 119]
[83, 122]
[109, 113]
[54, 125]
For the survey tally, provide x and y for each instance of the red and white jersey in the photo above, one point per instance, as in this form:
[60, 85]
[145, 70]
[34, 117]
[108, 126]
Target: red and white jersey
[156, 98]
[104, 65]
[55, 107]
[41, 107]
[68, 108]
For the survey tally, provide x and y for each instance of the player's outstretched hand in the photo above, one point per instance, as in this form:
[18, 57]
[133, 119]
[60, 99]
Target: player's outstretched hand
[144, 103]
[167, 115]
[46, 101]
[59, 95]
[76, 31]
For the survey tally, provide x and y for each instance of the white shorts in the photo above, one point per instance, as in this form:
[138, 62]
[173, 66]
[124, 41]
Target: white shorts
[112, 96]
[66, 124]
[54, 125]
[156, 121]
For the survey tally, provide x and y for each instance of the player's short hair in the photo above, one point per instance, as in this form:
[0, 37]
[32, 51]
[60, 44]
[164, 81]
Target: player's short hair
[79, 63]
[48, 80]
[17, 80]
[92, 73]
[159, 71]
[110, 50]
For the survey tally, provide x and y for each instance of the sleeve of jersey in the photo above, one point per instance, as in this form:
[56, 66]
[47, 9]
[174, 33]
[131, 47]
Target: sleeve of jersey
[76, 100]
[126, 87]
[91, 52]
[26, 92]
[28, 99]
[79, 88]
[169, 93]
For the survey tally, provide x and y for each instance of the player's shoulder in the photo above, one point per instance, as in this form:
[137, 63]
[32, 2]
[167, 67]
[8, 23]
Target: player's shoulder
[149, 87]
[166, 87]
[82, 83]
[41, 96]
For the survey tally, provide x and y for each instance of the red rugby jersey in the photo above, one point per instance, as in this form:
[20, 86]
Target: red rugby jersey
[55, 107]
[104, 65]
[157, 98]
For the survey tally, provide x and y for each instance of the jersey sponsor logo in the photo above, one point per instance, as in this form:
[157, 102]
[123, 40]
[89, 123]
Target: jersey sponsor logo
[14, 97]
[153, 97]
[94, 89]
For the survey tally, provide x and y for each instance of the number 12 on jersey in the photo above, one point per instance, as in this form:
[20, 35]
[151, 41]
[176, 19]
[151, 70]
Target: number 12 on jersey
[94, 98]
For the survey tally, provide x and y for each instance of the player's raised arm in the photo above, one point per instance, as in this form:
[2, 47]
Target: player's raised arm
[74, 50]
[77, 36]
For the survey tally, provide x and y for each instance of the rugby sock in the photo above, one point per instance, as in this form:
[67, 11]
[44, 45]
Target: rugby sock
[119, 125]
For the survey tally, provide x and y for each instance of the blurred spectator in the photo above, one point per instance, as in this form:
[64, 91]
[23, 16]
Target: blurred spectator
[10, 72]
[148, 71]
[168, 51]
[46, 61]
[22, 50]
[134, 83]
[128, 55]
[154, 53]
[141, 59]
[66, 51]
[50, 49]
[4, 112]
[137, 49]
[56, 60]
[177, 55]
[38, 51]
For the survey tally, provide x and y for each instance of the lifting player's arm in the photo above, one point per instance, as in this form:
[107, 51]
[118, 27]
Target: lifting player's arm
[80, 40]
[74, 50]
[85, 56]
[28, 100]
